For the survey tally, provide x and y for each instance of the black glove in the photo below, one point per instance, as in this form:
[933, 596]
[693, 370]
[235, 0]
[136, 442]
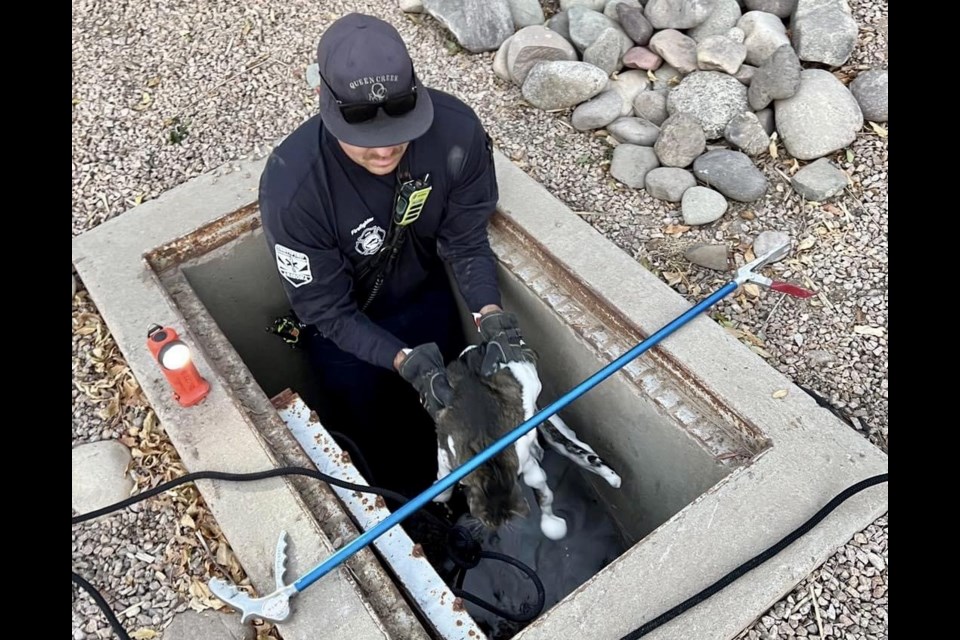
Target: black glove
[423, 369]
[504, 342]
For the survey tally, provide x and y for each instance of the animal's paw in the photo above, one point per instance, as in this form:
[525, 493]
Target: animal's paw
[612, 477]
[554, 527]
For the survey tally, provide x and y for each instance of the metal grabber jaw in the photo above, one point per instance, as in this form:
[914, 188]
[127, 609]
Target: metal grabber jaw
[274, 607]
[748, 273]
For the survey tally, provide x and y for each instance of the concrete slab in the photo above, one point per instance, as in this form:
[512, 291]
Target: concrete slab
[217, 434]
[807, 457]
[207, 625]
[813, 457]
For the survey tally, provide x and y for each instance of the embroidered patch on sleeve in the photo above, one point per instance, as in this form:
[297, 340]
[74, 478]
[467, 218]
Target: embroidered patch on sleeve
[294, 266]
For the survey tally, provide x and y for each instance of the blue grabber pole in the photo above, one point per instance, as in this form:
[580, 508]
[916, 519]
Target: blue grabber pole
[275, 606]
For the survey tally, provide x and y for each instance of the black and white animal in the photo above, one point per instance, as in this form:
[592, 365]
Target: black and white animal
[483, 410]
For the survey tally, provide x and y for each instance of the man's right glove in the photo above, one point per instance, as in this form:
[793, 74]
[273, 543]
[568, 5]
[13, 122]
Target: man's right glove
[504, 343]
[423, 369]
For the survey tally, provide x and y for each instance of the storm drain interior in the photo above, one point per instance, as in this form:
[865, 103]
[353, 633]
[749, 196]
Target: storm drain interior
[667, 442]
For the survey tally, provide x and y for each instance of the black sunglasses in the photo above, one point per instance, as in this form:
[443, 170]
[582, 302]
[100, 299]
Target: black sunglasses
[357, 112]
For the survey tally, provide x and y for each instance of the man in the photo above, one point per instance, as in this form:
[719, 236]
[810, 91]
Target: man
[363, 207]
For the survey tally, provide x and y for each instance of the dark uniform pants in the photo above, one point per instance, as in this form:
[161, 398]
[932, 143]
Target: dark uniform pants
[376, 408]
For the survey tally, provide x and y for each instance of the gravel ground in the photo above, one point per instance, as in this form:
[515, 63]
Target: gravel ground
[166, 90]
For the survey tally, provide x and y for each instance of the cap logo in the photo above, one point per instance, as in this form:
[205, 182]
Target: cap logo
[378, 92]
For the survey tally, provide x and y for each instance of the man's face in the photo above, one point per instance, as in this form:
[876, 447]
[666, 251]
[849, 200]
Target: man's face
[377, 160]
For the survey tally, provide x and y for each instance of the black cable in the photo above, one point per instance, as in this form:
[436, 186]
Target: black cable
[466, 553]
[271, 473]
[242, 477]
[522, 617]
[757, 560]
[102, 603]
[637, 633]
[355, 455]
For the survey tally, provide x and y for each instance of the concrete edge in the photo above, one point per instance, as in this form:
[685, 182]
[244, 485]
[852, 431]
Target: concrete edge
[814, 456]
[216, 434]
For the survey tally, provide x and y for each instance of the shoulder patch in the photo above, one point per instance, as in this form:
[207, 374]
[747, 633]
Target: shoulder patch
[294, 266]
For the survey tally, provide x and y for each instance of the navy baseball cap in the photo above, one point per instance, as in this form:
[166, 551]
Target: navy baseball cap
[369, 93]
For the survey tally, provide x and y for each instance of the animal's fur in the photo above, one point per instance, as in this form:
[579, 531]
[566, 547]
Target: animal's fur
[483, 410]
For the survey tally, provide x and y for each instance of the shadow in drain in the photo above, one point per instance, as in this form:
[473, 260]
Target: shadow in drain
[593, 541]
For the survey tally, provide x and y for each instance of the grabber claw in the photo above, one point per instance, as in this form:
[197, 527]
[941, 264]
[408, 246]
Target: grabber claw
[274, 607]
[748, 273]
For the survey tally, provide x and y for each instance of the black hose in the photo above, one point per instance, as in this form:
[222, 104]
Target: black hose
[356, 456]
[757, 560]
[392, 495]
[465, 552]
[312, 473]
[513, 617]
[102, 603]
[242, 477]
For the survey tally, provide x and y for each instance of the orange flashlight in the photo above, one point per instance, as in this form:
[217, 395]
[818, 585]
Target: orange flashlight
[173, 356]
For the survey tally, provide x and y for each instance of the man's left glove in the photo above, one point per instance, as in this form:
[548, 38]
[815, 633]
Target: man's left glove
[423, 369]
[504, 342]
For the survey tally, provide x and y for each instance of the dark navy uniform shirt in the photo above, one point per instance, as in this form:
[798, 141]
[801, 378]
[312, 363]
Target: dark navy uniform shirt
[323, 214]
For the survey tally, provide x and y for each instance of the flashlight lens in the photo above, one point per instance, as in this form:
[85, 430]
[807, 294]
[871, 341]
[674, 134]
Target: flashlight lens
[176, 356]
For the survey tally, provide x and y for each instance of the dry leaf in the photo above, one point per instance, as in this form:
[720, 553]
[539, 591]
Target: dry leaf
[761, 352]
[676, 229]
[806, 243]
[116, 370]
[145, 100]
[203, 591]
[672, 277]
[749, 255]
[651, 75]
[752, 290]
[187, 521]
[112, 409]
[131, 391]
[772, 147]
[144, 634]
[780, 393]
[880, 131]
[736, 333]
[751, 338]
[197, 605]
[223, 554]
[869, 331]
